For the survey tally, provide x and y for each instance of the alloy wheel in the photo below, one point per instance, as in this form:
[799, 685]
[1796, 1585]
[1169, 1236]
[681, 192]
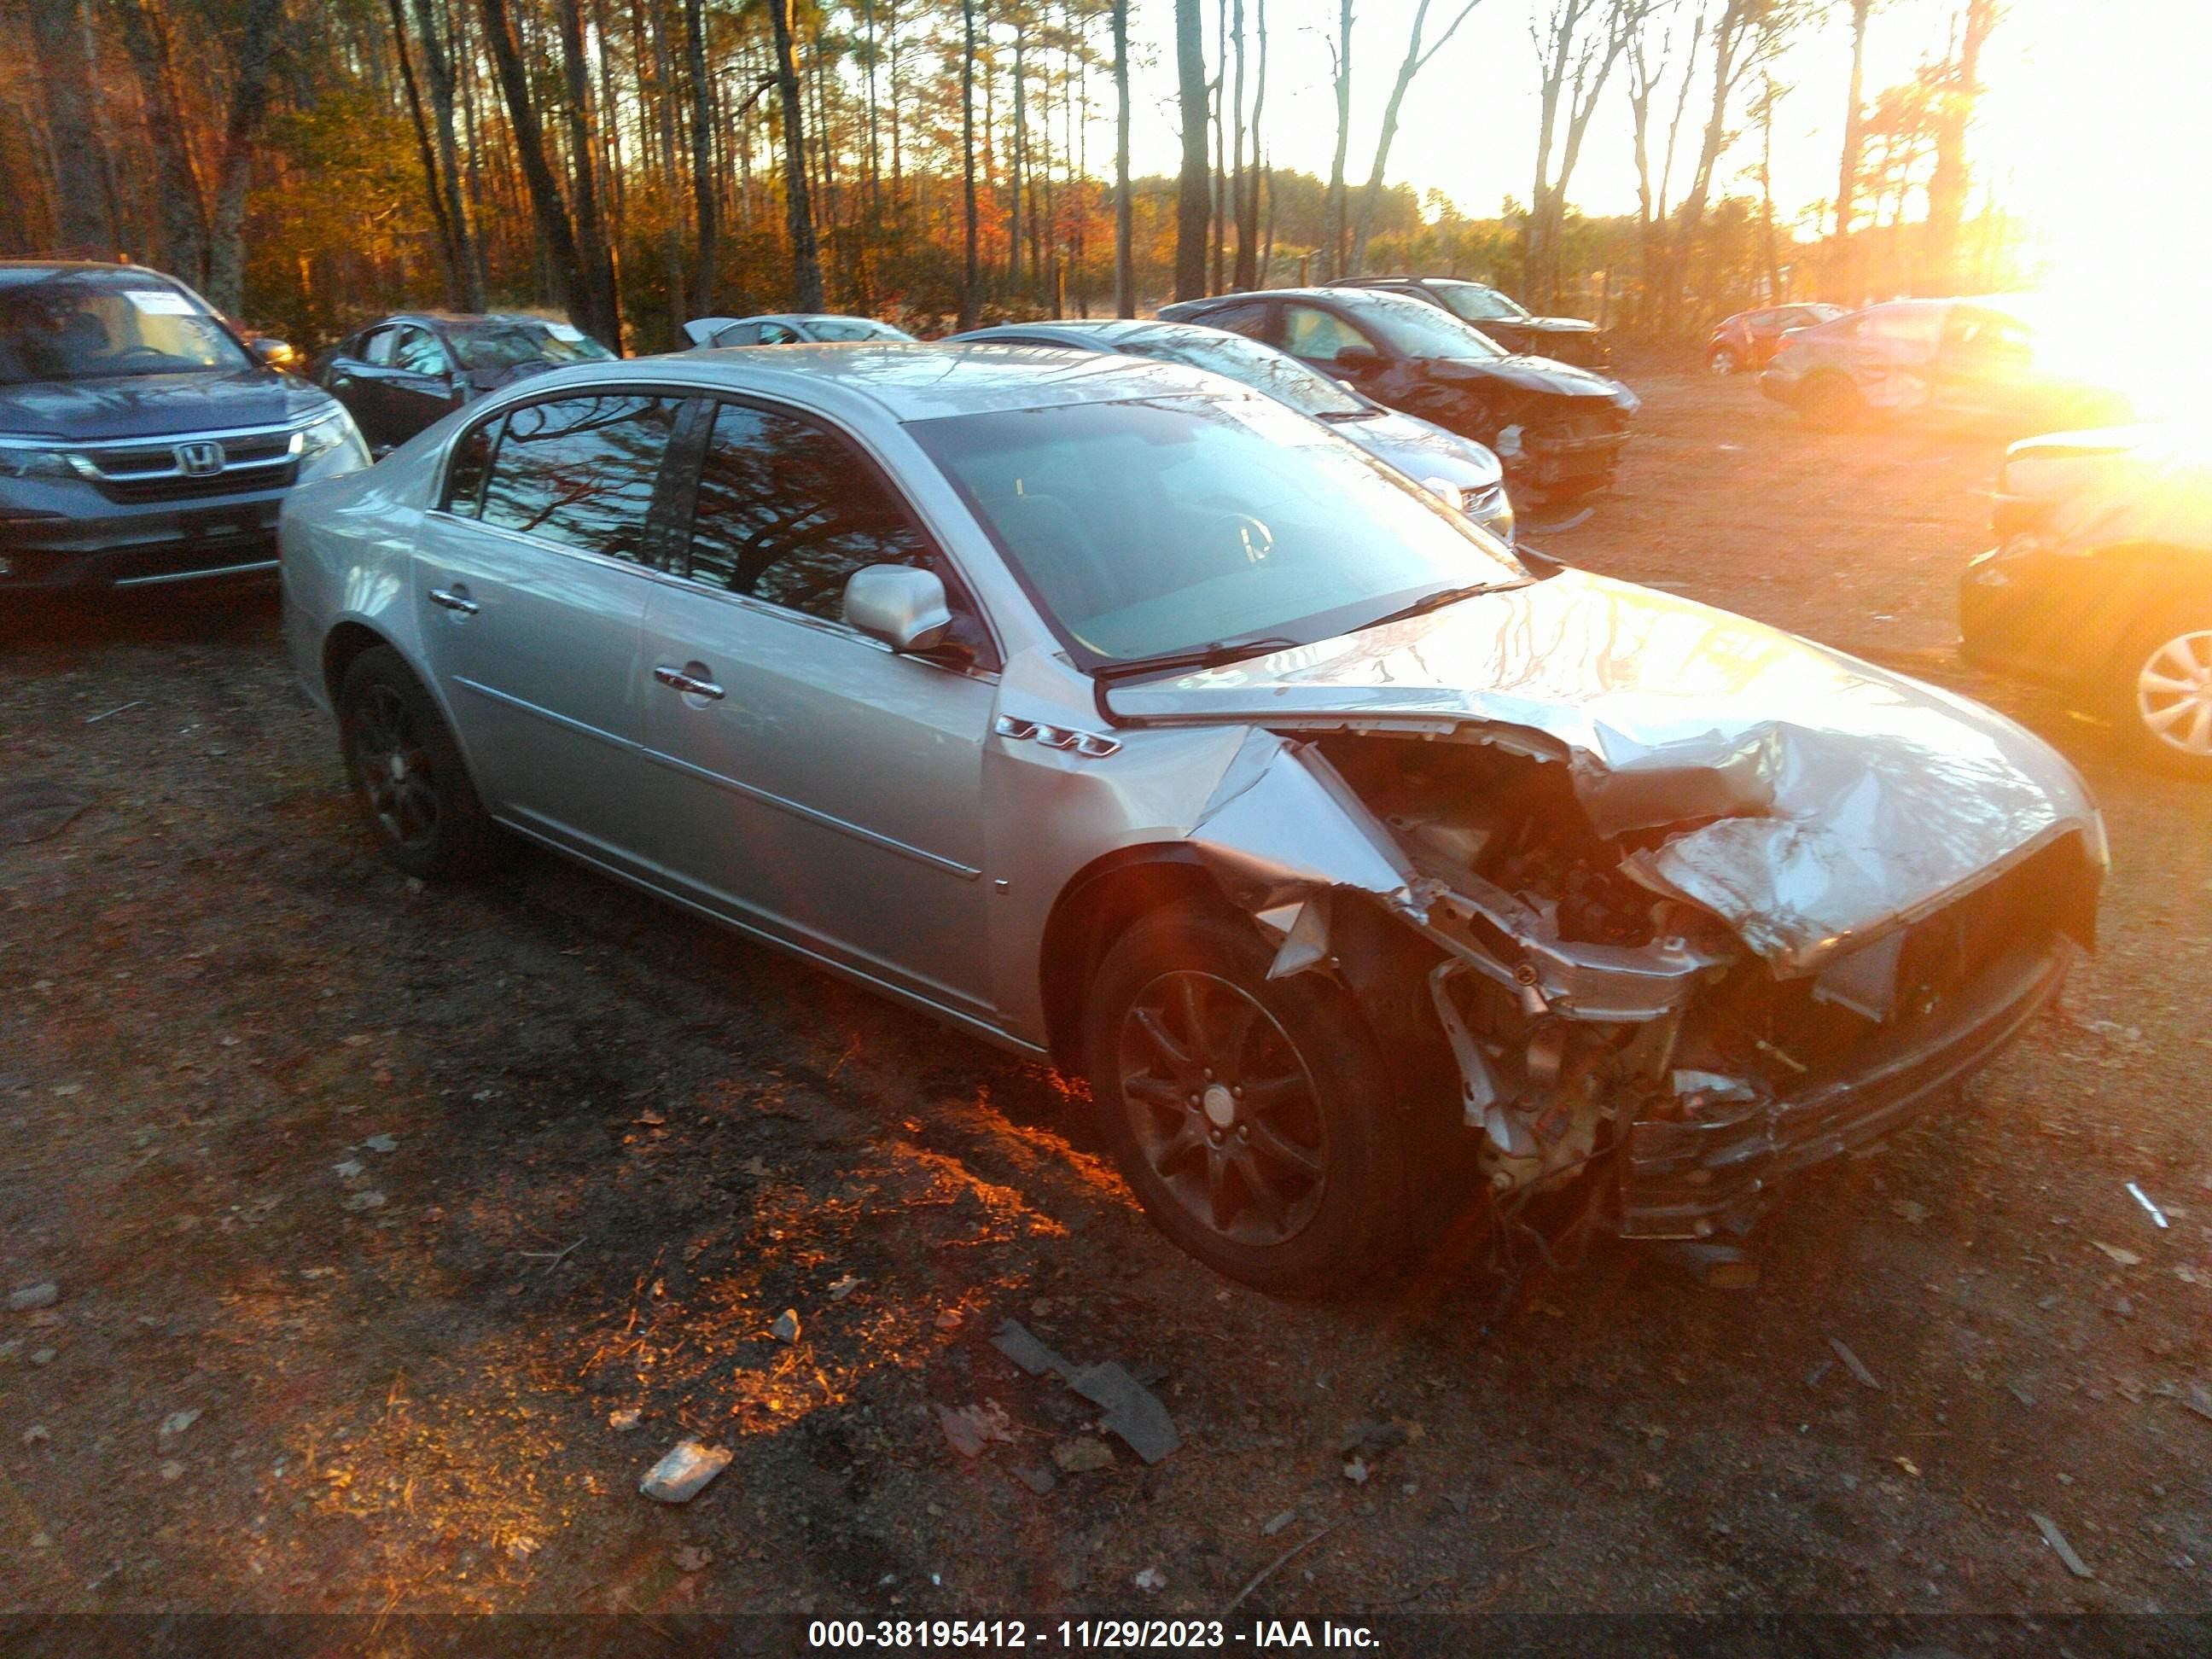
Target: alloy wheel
[393, 765]
[1224, 1108]
[1722, 362]
[2174, 694]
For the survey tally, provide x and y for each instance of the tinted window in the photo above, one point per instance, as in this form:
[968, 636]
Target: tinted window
[1472, 302]
[788, 512]
[503, 343]
[465, 477]
[1249, 319]
[1263, 367]
[739, 334]
[419, 352]
[1309, 331]
[777, 334]
[855, 328]
[580, 470]
[1417, 329]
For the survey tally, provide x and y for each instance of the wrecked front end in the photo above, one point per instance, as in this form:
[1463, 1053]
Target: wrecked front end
[1689, 973]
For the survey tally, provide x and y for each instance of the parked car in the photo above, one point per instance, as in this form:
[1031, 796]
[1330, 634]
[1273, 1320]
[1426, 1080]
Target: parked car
[1558, 430]
[1114, 712]
[1460, 471]
[402, 373]
[787, 328]
[1749, 339]
[2100, 583]
[1977, 361]
[1502, 317]
[142, 442]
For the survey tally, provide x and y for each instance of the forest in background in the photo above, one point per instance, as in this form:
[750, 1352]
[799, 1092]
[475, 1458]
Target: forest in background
[307, 164]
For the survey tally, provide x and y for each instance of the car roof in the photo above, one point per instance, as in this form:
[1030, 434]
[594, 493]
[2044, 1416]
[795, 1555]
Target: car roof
[448, 319]
[17, 271]
[1099, 333]
[910, 381]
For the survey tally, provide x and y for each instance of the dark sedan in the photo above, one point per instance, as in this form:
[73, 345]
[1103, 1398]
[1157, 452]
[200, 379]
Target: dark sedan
[142, 442]
[1502, 317]
[1749, 339]
[1558, 430]
[400, 375]
[2100, 583]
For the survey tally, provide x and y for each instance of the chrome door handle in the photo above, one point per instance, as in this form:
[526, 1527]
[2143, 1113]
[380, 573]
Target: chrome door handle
[688, 684]
[451, 601]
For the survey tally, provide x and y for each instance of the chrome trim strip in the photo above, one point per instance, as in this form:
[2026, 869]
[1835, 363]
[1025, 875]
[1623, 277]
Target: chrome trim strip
[103, 476]
[873, 838]
[196, 576]
[509, 700]
[164, 439]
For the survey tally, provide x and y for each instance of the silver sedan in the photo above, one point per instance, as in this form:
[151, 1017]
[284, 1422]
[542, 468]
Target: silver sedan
[1113, 712]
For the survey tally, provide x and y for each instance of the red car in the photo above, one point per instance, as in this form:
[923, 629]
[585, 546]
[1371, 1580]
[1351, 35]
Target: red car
[1747, 340]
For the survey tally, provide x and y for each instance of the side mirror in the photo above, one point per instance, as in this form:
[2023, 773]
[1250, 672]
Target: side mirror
[1359, 357]
[904, 607]
[273, 354]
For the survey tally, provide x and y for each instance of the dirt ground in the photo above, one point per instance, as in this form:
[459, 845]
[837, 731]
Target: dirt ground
[410, 1193]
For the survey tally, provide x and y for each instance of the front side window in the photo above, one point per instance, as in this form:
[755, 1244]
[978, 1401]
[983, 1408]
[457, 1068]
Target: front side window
[1164, 525]
[581, 471]
[103, 325]
[1318, 335]
[777, 334]
[856, 328]
[1413, 328]
[376, 348]
[1263, 368]
[1471, 303]
[787, 512]
[419, 353]
[503, 344]
[1249, 319]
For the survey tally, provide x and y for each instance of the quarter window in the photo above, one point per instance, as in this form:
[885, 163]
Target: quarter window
[787, 512]
[581, 471]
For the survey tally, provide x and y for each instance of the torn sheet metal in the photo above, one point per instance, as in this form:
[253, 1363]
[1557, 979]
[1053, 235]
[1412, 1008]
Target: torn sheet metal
[1281, 821]
[1828, 797]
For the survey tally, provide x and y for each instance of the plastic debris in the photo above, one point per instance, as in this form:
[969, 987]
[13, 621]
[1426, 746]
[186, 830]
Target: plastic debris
[381, 1144]
[786, 1329]
[681, 1475]
[841, 1288]
[1853, 1363]
[1014, 1340]
[622, 1421]
[2063, 1550]
[1152, 1578]
[1278, 1523]
[1132, 1411]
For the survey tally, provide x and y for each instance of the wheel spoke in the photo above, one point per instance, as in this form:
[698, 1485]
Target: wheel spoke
[1271, 1203]
[2161, 720]
[1262, 1095]
[1155, 1029]
[2154, 684]
[1155, 1091]
[1216, 1190]
[1278, 1147]
[2199, 740]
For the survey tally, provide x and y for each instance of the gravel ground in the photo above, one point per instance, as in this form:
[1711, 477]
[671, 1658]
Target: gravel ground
[413, 1198]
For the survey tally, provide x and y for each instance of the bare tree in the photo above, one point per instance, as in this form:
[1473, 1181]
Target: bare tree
[1250, 271]
[1577, 43]
[1415, 60]
[254, 61]
[1125, 253]
[564, 268]
[1332, 216]
[704, 188]
[797, 206]
[80, 224]
[1192, 206]
[1677, 55]
[969, 282]
[181, 198]
[1947, 185]
[1843, 282]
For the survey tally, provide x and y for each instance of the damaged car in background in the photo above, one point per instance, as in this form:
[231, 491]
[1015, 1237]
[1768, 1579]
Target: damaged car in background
[1116, 714]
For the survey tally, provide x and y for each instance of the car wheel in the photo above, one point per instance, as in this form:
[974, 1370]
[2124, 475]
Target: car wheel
[407, 770]
[1721, 360]
[1830, 402]
[1251, 1116]
[2163, 700]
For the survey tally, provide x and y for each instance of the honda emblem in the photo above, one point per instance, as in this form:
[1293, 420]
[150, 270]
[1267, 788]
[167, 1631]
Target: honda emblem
[200, 460]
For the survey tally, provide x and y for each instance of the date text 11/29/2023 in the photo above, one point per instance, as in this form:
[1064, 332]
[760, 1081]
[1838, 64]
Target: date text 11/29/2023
[1123, 1635]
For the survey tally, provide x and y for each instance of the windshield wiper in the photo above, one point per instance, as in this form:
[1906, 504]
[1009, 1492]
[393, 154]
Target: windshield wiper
[1435, 601]
[1210, 655]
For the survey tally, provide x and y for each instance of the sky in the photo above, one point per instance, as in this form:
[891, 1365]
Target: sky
[2096, 114]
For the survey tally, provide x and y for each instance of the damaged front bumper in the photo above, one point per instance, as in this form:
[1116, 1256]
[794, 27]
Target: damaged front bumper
[1687, 1177]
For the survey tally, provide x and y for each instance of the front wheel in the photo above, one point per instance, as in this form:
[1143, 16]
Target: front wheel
[2162, 701]
[407, 771]
[1722, 361]
[1251, 1116]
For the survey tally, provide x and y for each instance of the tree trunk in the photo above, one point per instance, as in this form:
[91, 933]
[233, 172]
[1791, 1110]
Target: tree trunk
[1332, 217]
[82, 229]
[1239, 274]
[1947, 185]
[1409, 66]
[704, 203]
[439, 68]
[1843, 283]
[254, 58]
[592, 247]
[1254, 272]
[556, 235]
[1125, 252]
[1018, 159]
[1191, 186]
[449, 255]
[183, 200]
[798, 207]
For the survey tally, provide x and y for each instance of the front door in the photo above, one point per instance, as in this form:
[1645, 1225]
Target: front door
[420, 388]
[531, 583]
[812, 781]
[1320, 338]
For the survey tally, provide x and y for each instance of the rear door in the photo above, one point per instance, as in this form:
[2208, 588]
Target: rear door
[420, 387]
[810, 781]
[532, 583]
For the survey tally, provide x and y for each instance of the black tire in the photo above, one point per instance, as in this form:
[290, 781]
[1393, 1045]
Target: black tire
[407, 772]
[1830, 402]
[1722, 360]
[1297, 1188]
[2154, 717]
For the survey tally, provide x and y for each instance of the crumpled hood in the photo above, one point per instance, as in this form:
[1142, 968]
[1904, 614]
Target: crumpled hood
[1842, 799]
[1535, 375]
[1422, 450]
[153, 406]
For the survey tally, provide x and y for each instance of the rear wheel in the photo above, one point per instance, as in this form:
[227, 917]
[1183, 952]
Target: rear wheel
[1722, 360]
[1251, 1116]
[407, 771]
[1830, 402]
[2162, 697]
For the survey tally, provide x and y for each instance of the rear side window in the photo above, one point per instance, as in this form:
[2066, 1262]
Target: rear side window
[787, 512]
[581, 471]
[1249, 319]
[377, 348]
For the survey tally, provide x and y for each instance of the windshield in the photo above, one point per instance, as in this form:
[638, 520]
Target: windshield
[1417, 329]
[1263, 367]
[98, 324]
[1473, 303]
[1147, 528]
[853, 328]
[510, 345]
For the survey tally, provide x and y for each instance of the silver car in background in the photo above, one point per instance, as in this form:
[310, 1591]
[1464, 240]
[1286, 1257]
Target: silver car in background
[1114, 712]
[1460, 471]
